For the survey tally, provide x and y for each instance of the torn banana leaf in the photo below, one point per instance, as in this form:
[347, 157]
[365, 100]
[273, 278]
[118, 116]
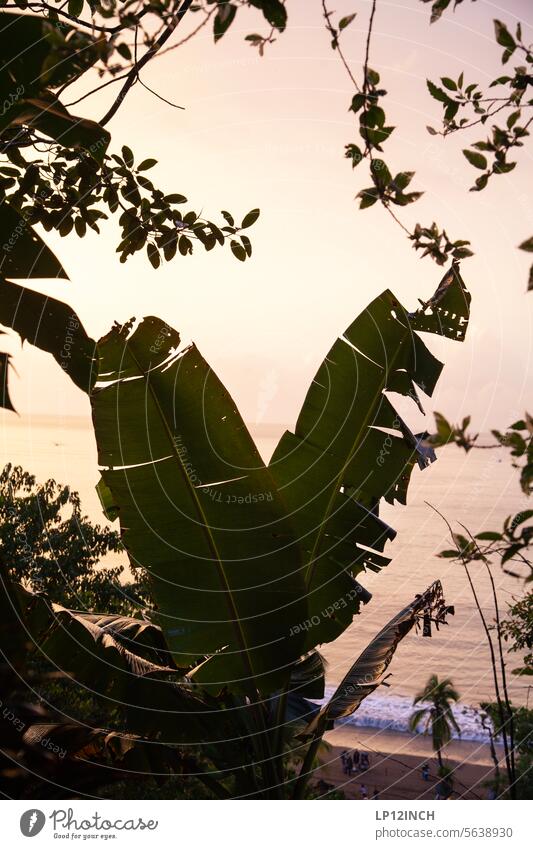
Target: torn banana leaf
[37, 53]
[23, 254]
[369, 669]
[5, 400]
[51, 326]
[88, 654]
[351, 448]
[48, 115]
[198, 510]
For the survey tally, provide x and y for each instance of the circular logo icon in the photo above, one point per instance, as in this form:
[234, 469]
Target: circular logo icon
[32, 822]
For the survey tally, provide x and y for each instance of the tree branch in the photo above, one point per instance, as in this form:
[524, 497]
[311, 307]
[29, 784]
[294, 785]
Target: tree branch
[132, 76]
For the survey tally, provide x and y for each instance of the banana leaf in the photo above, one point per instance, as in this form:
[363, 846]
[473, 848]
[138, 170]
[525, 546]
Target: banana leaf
[368, 671]
[46, 113]
[351, 448]
[37, 53]
[23, 254]
[139, 635]
[5, 398]
[51, 326]
[156, 700]
[308, 676]
[198, 510]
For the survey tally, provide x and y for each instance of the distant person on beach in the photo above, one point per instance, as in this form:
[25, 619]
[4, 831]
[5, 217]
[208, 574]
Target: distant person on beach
[364, 761]
[363, 792]
[349, 765]
[344, 755]
[425, 772]
[355, 756]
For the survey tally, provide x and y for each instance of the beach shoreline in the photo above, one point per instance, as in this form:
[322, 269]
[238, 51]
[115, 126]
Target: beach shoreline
[396, 760]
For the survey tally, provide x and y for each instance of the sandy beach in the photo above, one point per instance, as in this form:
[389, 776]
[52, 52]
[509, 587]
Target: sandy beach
[396, 761]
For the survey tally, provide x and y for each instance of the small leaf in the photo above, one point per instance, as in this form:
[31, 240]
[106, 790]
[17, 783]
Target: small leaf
[175, 199]
[247, 245]
[81, 227]
[481, 183]
[527, 245]
[462, 253]
[274, 11]
[368, 197]
[503, 36]
[437, 92]
[127, 155]
[124, 51]
[448, 83]
[146, 164]
[75, 7]
[358, 101]
[475, 159]
[346, 21]
[403, 179]
[354, 153]
[185, 245]
[153, 255]
[510, 552]
[250, 218]
[224, 18]
[504, 167]
[238, 250]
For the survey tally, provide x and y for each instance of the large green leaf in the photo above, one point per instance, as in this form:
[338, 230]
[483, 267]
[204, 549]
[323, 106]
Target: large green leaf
[5, 400]
[52, 326]
[156, 699]
[198, 510]
[82, 648]
[350, 447]
[368, 671]
[23, 254]
[38, 56]
[37, 53]
[46, 113]
[139, 635]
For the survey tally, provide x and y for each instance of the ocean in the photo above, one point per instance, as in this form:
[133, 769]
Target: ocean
[479, 489]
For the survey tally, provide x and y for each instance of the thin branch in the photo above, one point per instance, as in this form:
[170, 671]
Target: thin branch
[98, 88]
[160, 96]
[503, 721]
[368, 40]
[335, 37]
[500, 647]
[133, 75]
[90, 24]
[191, 34]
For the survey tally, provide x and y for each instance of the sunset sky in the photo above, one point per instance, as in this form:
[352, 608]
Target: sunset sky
[270, 133]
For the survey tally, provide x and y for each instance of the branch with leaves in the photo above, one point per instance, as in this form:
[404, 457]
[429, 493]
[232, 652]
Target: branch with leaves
[55, 167]
[468, 105]
[367, 103]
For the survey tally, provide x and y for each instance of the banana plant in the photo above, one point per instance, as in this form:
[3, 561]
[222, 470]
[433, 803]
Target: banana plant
[251, 567]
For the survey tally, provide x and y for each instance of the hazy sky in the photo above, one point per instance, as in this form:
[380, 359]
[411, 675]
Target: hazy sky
[270, 133]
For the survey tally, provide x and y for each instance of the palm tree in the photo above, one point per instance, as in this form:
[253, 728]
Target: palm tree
[437, 715]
